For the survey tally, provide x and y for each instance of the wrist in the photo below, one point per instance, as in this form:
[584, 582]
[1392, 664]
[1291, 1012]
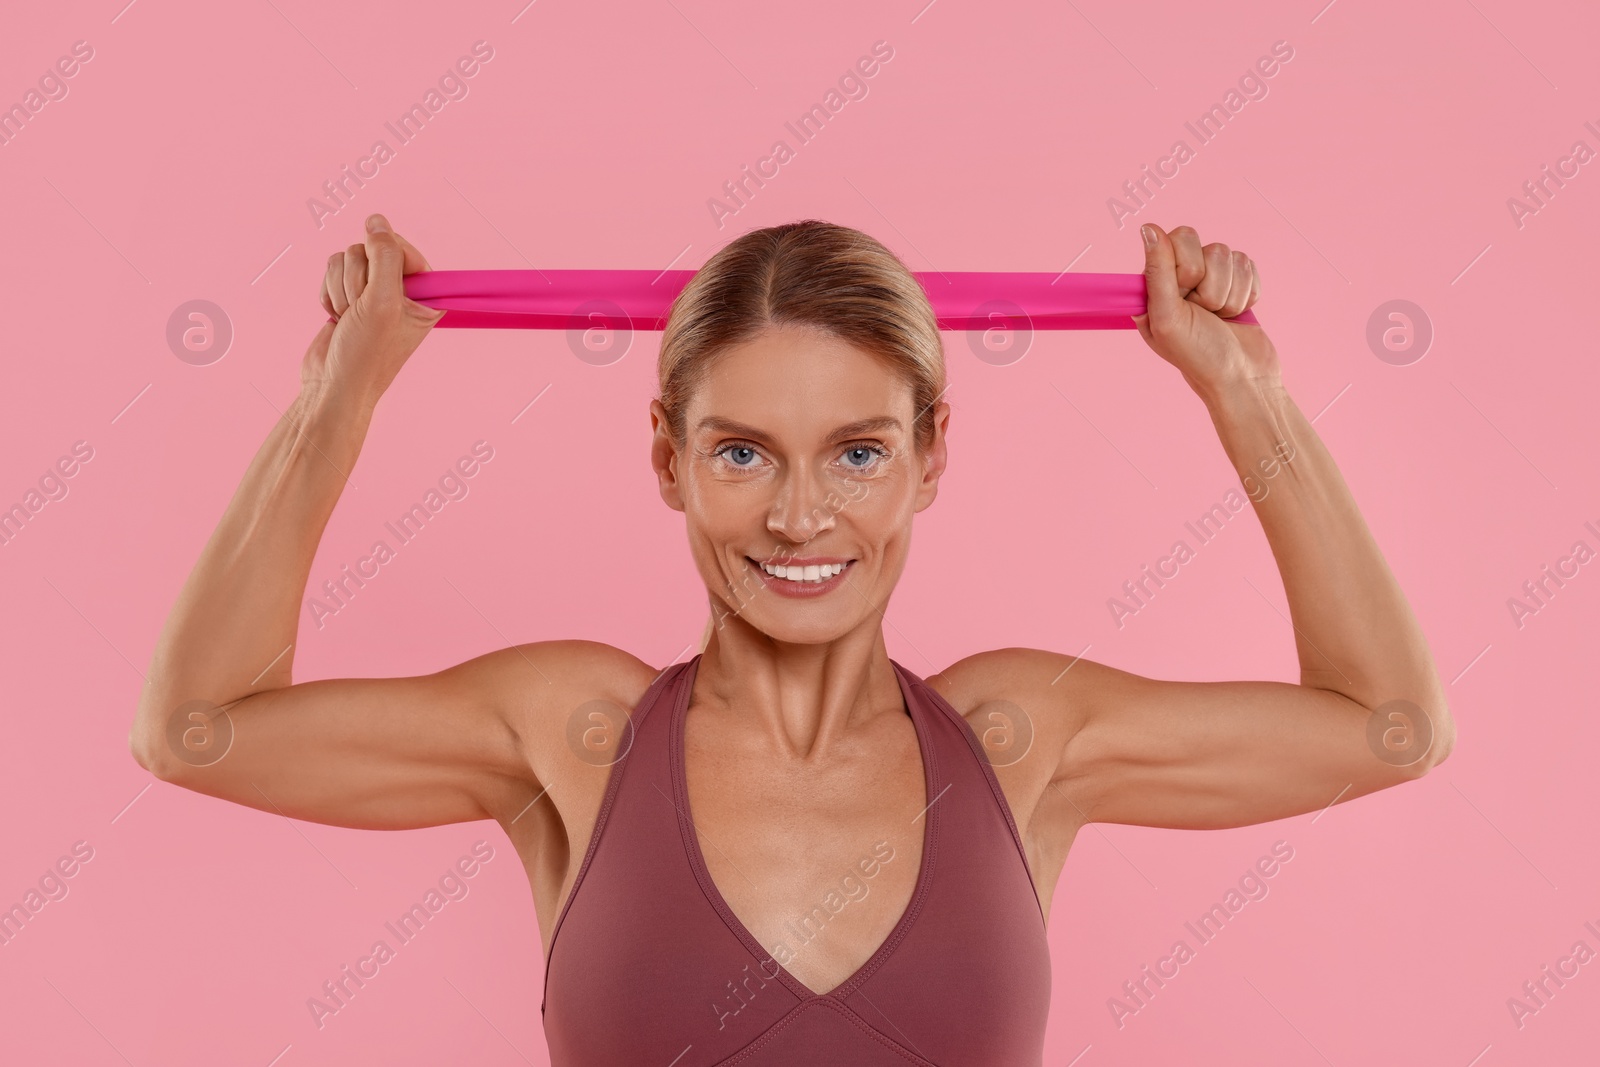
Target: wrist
[1240, 396]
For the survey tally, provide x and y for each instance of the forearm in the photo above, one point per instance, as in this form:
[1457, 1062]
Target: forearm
[1354, 630]
[231, 631]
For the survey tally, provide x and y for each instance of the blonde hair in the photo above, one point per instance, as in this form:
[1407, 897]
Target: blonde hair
[809, 273]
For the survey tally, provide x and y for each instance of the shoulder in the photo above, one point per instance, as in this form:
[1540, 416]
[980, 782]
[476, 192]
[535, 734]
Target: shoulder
[1026, 706]
[540, 686]
[1050, 694]
[536, 672]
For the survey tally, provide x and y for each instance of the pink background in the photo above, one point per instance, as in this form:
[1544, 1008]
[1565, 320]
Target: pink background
[1378, 167]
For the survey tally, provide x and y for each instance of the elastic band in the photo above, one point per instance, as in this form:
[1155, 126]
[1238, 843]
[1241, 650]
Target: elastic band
[640, 299]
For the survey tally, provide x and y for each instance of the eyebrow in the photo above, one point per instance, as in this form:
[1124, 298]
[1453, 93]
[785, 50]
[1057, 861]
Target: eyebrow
[719, 424]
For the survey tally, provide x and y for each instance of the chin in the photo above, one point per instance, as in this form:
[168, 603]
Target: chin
[791, 625]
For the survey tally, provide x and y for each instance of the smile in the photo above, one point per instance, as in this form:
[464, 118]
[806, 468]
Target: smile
[797, 579]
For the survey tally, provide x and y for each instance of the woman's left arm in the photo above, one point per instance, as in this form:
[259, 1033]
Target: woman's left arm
[1215, 754]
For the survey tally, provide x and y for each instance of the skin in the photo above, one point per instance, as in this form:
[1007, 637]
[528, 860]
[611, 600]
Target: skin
[799, 755]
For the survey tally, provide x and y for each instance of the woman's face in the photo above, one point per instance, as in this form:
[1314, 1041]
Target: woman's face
[799, 450]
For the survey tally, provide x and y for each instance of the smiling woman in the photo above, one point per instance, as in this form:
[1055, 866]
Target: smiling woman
[791, 304]
[801, 426]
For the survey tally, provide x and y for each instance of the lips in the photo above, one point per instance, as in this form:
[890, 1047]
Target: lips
[803, 588]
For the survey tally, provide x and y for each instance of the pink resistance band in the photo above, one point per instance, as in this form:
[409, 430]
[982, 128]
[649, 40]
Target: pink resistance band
[640, 299]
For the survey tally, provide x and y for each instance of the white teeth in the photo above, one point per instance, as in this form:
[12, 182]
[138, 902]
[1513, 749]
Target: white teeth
[813, 573]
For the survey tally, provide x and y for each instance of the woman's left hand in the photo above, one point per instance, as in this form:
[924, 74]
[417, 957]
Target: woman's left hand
[1192, 292]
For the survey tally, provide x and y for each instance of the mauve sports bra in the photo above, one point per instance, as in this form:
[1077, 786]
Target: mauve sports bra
[648, 965]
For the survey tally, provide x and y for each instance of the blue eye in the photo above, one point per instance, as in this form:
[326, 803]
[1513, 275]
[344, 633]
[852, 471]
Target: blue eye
[742, 452]
[872, 452]
[744, 457]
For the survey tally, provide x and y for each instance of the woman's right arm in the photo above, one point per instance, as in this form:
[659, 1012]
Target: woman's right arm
[384, 753]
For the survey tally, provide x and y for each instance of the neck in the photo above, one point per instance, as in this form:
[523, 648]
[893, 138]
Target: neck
[802, 701]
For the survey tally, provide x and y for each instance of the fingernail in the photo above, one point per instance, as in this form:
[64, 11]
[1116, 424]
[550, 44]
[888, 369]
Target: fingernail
[1149, 235]
[377, 224]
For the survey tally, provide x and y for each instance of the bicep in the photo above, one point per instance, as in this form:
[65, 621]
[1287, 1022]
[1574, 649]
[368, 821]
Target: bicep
[1210, 755]
[368, 753]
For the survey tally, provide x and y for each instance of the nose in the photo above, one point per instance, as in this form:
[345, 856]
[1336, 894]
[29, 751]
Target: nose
[798, 511]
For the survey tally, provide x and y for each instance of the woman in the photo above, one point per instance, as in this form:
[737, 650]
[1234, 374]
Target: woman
[789, 848]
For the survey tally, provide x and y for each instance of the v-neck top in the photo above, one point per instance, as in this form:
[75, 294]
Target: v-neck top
[649, 965]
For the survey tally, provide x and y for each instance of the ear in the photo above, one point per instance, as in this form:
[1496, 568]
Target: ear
[664, 457]
[936, 458]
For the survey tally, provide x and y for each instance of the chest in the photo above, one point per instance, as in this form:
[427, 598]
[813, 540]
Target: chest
[872, 900]
[817, 859]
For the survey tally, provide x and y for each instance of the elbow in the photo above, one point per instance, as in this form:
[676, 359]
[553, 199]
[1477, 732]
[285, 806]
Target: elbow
[1441, 739]
[147, 744]
[170, 745]
[144, 750]
[1444, 736]
[1411, 736]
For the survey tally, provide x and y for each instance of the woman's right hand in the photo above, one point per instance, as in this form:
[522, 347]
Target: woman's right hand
[373, 326]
